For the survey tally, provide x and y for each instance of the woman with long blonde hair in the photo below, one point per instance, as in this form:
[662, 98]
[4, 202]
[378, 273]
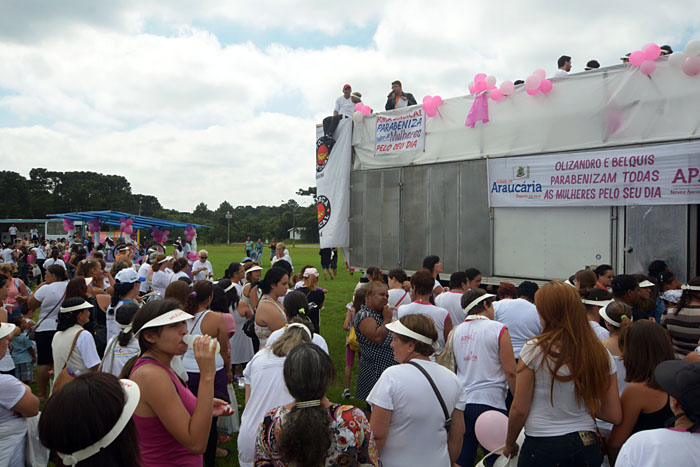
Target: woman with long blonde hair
[565, 378]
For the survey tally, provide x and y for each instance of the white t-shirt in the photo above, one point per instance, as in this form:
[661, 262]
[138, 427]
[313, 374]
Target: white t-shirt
[476, 348]
[13, 230]
[600, 332]
[344, 106]
[663, 447]
[116, 356]
[51, 261]
[398, 297]
[452, 302]
[39, 253]
[50, 296]
[521, 318]
[317, 339]
[12, 428]
[111, 320]
[200, 276]
[161, 280]
[178, 275]
[7, 256]
[84, 355]
[437, 314]
[557, 411]
[417, 435]
[285, 257]
[560, 73]
[145, 270]
[267, 390]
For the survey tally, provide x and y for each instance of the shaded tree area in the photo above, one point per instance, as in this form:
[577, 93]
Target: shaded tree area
[47, 192]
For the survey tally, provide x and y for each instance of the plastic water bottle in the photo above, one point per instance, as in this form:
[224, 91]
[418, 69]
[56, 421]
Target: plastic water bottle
[190, 338]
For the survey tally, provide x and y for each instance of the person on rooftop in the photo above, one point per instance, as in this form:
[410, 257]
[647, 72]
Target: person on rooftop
[564, 65]
[397, 98]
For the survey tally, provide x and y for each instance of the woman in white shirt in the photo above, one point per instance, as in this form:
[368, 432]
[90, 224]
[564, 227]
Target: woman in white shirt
[485, 364]
[49, 296]
[409, 423]
[16, 403]
[265, 388]
[54, 259]
[126, 289]
[75, 312]
[122, 347]
[565, 378]
[180, 266]
[162, 272]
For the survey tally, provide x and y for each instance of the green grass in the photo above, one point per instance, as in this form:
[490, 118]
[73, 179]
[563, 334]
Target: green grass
[332, 317]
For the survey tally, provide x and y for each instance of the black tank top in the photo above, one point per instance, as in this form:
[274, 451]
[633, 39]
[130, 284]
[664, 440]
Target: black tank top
[651, 421]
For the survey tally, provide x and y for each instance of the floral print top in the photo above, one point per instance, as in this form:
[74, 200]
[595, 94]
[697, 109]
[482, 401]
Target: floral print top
[353, 443]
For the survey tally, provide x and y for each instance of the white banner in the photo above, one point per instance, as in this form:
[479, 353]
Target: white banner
[664, 174]
[333, 186]
[400, 132]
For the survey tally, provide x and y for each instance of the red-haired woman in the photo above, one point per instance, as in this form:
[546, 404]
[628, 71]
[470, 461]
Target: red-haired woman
[565, 378]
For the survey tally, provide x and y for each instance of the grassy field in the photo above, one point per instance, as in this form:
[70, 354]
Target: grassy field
[332, 317]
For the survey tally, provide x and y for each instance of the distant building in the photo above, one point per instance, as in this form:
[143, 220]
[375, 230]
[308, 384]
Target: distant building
[296, 233]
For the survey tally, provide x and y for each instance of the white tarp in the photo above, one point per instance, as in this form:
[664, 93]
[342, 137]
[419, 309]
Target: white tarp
[333, 186]
[400, 132]
[661, 174]
[614, 106]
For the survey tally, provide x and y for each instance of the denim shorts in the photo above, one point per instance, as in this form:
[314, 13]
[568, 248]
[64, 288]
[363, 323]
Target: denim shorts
[577, 449]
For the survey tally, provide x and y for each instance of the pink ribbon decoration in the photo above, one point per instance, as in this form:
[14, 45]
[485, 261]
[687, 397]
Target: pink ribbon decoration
[479, 111]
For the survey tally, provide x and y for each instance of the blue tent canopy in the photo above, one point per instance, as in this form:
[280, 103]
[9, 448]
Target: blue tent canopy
[139, 222]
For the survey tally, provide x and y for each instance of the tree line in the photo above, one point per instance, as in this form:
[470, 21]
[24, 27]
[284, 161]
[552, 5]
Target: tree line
[48, 192]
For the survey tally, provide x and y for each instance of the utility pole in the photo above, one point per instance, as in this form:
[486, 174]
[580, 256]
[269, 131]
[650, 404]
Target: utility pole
[228, 225]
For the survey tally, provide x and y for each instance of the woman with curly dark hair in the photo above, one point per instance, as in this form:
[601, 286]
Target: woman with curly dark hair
[308, 430]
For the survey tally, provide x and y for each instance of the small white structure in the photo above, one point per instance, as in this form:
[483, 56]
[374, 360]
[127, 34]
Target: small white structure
[295, 233]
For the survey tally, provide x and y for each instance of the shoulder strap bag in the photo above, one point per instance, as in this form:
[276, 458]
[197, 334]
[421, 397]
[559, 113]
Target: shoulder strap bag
[448, 419]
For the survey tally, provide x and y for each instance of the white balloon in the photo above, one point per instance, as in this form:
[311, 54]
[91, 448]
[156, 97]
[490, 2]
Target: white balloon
[693, 47]
[357, 117]
[676, 59]
[491, 80]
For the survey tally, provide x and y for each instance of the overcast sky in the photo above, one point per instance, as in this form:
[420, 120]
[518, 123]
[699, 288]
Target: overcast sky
[213, 100]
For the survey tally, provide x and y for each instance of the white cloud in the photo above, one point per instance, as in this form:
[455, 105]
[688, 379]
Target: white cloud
[187, 118]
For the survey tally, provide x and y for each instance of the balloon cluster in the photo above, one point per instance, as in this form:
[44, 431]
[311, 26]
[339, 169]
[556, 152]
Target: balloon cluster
[94, 225]
[68, 225]
[537, 82]
[645, 58]
[125, 225]
[689, 60]
[361, 111]
[505, 89]
[430, 105]
[159, 236]
[192, 256]
[482, 83]
[190, 232]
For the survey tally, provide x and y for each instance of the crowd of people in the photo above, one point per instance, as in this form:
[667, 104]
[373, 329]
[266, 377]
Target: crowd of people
[145, 357]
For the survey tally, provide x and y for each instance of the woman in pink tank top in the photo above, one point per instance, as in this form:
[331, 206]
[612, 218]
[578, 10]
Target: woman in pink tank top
[172, 424]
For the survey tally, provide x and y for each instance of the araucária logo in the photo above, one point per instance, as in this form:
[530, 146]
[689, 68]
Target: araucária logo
[323, 206]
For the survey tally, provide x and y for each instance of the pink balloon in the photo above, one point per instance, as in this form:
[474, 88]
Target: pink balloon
[533, 82]
[532, 92]
[637, 58]
[472, 89]
[648, 67]
[430, 111]
[491, 87]
[652, 52]
[129, 221]
[480, 86]
[66, 228]
[192, 256]
[491, 428]
[496, 95]
[691, 65]
[437, 101]
[479, 77]
[540, 73]
[507, 88]
[545, 86]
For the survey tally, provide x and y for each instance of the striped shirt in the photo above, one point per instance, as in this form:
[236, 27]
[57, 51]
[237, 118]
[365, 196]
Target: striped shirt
[684, 328]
